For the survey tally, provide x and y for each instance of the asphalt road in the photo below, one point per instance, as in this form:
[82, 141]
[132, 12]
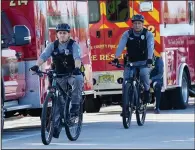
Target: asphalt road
[170, 129]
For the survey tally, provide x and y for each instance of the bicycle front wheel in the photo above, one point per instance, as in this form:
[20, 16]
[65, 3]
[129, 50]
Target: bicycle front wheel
[73, 123]
[141, 112]
[127, 105]
[47, 119]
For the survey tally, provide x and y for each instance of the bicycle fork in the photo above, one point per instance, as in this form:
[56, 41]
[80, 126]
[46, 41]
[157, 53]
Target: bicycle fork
[136, 95]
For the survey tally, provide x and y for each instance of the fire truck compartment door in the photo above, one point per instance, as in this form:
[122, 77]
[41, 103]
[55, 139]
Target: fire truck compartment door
[12, 70]
[116, 23]
[97, 34]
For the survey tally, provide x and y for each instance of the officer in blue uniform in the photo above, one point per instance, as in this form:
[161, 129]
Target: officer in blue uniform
[66, 56]
[140, 48]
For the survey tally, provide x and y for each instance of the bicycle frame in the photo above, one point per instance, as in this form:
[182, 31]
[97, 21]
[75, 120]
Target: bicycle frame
[53, 75]
[136, 83]
[135, 79]
[131, 96]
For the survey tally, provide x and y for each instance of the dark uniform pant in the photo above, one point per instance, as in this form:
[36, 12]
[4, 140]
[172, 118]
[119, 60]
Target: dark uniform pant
[157, 86]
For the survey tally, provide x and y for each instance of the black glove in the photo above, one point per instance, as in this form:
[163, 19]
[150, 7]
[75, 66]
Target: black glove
[149, 63]
[116, 61]
[76, 71]
[34, 68]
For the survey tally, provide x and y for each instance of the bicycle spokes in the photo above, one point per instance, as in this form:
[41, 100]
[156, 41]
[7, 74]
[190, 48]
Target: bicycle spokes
[73, 122]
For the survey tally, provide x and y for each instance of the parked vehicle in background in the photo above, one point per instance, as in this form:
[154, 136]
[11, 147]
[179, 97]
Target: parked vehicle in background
[171, 22]
[23, 92]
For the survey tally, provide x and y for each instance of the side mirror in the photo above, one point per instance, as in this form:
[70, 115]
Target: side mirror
[21, 35]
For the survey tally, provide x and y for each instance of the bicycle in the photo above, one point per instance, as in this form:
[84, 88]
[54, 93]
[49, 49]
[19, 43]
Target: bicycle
[133, 97]
[67, 119]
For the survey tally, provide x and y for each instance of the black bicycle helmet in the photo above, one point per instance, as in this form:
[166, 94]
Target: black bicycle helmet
[63, 27]
[138, 17]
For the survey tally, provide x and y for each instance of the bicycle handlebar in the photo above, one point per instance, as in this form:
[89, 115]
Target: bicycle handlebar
[117, 65]
[131, 65]
[52, 74]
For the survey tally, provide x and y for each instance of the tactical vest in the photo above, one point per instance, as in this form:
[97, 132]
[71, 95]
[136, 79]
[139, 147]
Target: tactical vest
[63, 62]
[137, 46]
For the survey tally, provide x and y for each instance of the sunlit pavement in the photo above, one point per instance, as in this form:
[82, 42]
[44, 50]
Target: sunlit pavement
[170, 129]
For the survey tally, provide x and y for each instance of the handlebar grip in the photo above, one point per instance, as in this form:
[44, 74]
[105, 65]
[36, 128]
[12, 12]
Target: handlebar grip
[117, 65]
[39, 73]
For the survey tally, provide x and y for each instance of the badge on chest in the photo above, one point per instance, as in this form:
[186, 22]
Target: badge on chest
[67, 52]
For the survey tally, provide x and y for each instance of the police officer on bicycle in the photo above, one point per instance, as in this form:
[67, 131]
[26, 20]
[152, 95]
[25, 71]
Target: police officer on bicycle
[66, 56]
[140, 47]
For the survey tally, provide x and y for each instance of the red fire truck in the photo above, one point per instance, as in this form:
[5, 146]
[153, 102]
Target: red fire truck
[171, 22]
[24, 93]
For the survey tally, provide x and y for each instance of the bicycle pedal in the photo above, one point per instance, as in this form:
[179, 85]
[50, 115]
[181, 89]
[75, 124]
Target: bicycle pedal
[70, 123]
[73, 120]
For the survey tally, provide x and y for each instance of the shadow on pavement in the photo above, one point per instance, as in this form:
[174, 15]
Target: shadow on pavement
[150, 110]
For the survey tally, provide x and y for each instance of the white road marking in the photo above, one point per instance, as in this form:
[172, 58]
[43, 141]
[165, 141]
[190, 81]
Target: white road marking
[25, 136]
[20, 137]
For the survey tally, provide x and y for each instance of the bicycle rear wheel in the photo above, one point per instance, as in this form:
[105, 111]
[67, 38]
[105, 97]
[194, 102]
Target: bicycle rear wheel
[127, 105]
[47, 119]
[73, 123]
[141, 112]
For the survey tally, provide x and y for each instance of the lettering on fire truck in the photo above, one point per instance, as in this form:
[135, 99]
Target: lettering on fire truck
[18, 2]
[151, 29]
[105, 57]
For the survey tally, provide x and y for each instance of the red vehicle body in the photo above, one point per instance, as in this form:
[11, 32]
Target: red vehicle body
[171, 22]
[24, 92]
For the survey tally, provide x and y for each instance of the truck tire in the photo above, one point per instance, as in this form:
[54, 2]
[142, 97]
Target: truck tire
[181, 95]
[166, 100]
[35, 112]
[92, 105]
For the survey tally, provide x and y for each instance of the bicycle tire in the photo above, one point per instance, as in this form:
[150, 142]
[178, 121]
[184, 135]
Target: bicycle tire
[140, 120]
[68, 121]
[127, 102]
[44, 117]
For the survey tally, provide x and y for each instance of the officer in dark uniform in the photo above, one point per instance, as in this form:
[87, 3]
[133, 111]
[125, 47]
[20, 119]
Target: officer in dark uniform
[66, 56]
[140, 48]
[156, 80]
